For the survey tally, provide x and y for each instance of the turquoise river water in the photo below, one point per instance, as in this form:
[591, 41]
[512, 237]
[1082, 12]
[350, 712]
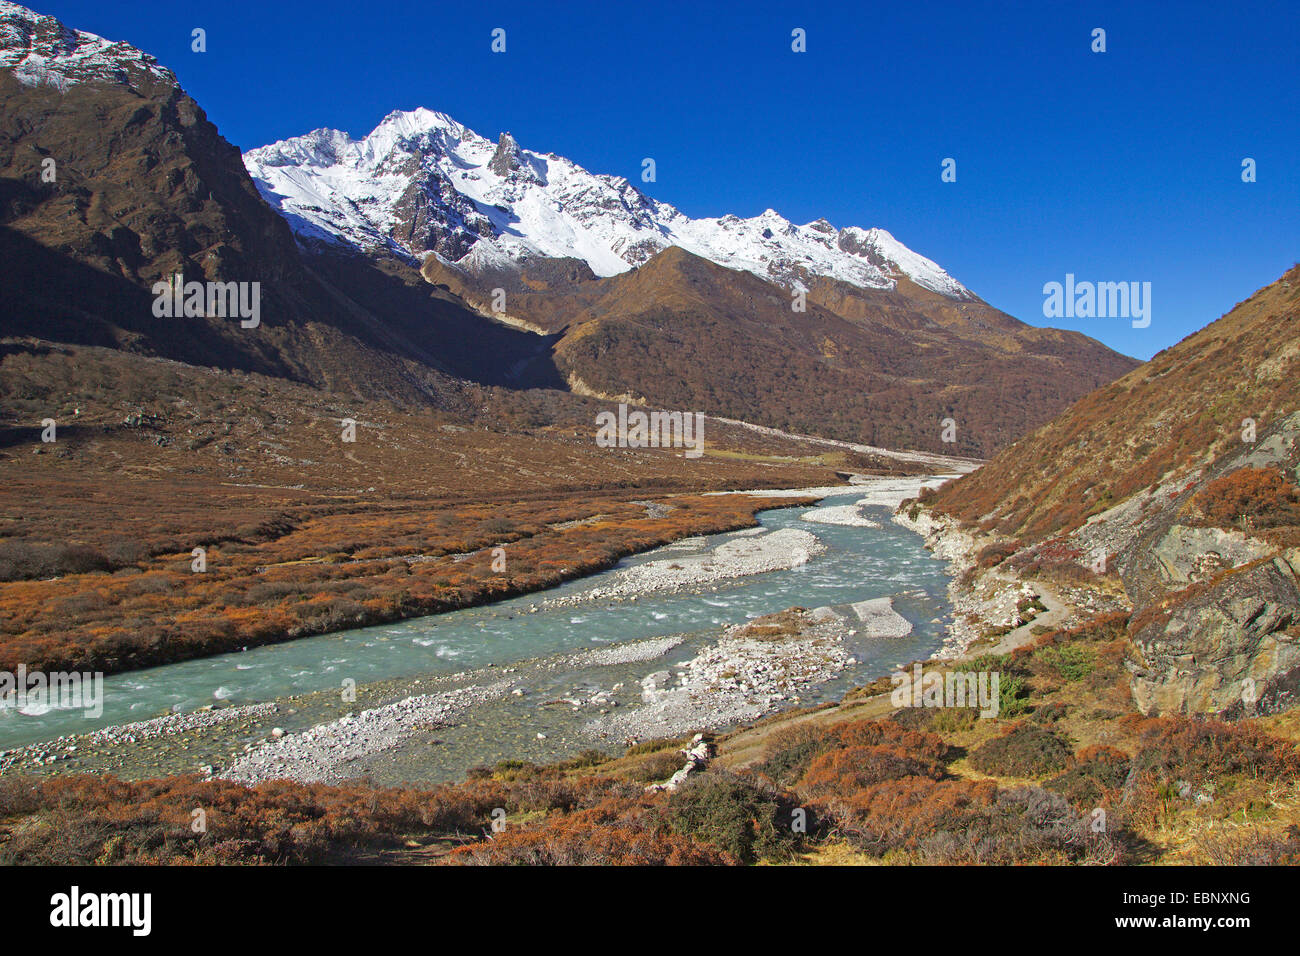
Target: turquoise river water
[859, 563]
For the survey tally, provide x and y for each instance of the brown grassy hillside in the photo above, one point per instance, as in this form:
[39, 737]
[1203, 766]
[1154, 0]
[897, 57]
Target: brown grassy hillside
[304, 532]
[1172, 415]
[883, 368]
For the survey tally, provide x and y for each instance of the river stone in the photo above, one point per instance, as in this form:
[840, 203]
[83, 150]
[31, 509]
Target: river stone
[881, 619]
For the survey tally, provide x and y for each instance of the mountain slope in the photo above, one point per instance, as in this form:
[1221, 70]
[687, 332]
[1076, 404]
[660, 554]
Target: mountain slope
[1166, 418]
[145, 187]
[684, 332]
[1182, 479]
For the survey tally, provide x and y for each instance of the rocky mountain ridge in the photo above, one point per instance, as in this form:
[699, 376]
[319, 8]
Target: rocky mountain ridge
[749, 327]
[422, 183]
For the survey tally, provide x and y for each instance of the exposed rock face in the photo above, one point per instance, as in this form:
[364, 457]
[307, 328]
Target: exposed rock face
[1117, 481]
[41, 51]
[1229, 647]
[508, 163]
[430, 216]
[1216, 627]
[1196, 554]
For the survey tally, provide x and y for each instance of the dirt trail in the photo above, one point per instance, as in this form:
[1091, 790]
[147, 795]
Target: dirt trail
[1056, 612]
[946, 463]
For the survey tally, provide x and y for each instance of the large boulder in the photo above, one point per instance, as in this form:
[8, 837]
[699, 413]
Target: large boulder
[1216, 622]
[1230, 645]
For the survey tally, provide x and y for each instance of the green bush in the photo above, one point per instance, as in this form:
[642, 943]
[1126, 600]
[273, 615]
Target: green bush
[656, 767]
[1069, 662]
[790, 761]
[747, 820]
[1027, 750]
[1013, 695]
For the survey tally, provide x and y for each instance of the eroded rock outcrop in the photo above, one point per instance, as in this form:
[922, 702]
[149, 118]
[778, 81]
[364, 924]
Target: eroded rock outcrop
[1216, 624]
[1228, 646]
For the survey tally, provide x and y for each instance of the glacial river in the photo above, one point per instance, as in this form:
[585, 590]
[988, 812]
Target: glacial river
[859, 563]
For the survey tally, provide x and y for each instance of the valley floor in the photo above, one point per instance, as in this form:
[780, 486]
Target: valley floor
[1067, 771]
[723, 676]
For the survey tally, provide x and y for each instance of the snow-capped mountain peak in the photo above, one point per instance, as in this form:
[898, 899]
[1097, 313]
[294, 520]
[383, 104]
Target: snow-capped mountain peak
[41, 50]
[421, 183]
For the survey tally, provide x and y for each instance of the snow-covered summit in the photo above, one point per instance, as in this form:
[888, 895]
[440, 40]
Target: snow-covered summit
[423, 183]
[41, 50]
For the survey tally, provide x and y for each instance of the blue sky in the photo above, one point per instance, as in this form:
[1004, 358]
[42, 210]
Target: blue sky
[1115, 166]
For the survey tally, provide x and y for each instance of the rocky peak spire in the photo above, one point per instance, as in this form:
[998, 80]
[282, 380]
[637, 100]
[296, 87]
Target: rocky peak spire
[506, 159]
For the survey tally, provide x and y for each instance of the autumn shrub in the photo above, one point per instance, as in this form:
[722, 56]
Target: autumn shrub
[1026, 750]
[884, 733]
[16, 560]
[122, 552]
[1199, 750]
[545, 792]
[85, 819]
[1250, 847]
[19, 795]
[59, 838]
[845, 770]
[1050, 712]
[21, 560]
[913, 718]
[994, 554]
[741, 816]
[1097, 774]
[1250, 498]
[619, 831]
[791, 751]
[964, 821]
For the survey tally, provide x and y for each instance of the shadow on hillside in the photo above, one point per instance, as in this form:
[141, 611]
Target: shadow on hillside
[49, 295]
[438, 326]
